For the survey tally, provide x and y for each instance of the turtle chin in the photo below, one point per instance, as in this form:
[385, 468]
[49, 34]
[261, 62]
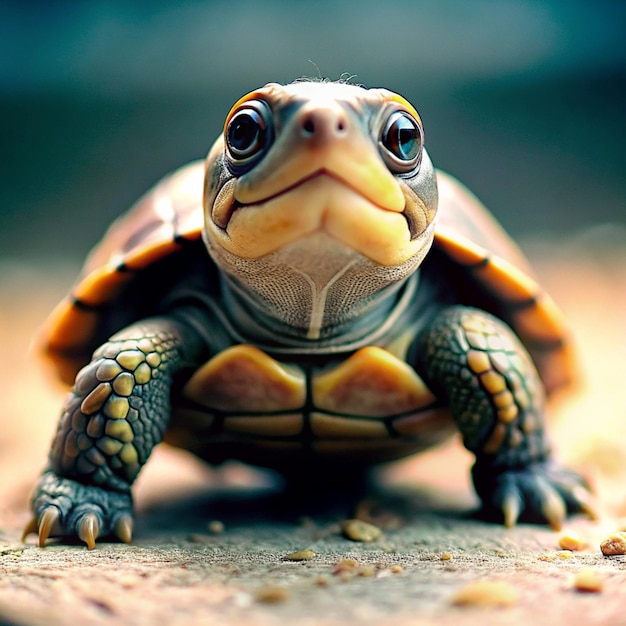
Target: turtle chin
[314, 285]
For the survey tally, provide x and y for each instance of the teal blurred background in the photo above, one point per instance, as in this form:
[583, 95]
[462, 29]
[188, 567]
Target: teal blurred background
[522, 100]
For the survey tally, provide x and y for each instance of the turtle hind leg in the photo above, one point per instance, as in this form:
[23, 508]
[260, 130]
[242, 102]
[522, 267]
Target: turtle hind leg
[116, 413]
[479, 366]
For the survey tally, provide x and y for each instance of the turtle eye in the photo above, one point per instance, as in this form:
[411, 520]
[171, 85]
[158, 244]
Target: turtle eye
[402, 139]
[248, 133]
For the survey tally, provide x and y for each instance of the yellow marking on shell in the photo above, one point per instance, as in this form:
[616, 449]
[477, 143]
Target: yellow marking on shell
[94, 401]
[101, 286]
[478, 361]
[243, 378]
[275, 425]
[372, 383]
[493, 382]
[456, 249]
[507, 281]
[541, 322]
[130, 359]
[332, 426]
[496, 440]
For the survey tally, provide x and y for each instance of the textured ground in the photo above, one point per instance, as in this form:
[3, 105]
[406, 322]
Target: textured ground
[179, 570]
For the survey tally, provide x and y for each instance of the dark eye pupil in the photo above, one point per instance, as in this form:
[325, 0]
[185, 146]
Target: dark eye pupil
[246, 134]
[403, 138]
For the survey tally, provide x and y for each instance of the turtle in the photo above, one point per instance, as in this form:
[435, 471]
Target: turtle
[313, 297]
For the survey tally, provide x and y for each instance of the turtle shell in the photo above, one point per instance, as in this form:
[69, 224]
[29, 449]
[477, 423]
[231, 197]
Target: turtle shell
[168, 220]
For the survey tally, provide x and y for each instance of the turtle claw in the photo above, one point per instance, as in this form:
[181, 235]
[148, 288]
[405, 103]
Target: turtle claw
[511, 508]
[124, 528]
[542, 492]
[68, 509]
[47, 521]
[89, 529]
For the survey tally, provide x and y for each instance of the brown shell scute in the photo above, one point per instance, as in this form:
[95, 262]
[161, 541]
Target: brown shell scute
[529, 310]
[160, 223]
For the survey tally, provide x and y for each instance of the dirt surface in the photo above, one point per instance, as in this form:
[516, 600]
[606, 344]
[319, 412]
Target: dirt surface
[183, 568]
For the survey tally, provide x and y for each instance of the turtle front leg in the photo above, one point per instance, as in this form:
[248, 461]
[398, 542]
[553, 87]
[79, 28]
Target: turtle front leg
[476, 363]
[116, 413]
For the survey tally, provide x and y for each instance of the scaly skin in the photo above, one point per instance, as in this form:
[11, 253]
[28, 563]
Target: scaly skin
[116, 413]
[474, 360]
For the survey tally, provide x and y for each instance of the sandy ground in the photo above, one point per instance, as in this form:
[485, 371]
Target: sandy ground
[180, 571]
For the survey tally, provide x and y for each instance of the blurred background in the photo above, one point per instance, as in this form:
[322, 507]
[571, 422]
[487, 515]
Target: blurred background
[523, 100]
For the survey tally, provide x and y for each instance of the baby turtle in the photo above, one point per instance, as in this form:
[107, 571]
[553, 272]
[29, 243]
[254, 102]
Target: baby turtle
[315, 297]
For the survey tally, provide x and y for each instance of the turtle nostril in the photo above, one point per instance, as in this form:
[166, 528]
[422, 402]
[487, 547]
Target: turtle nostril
[308, 126]
[341, 126]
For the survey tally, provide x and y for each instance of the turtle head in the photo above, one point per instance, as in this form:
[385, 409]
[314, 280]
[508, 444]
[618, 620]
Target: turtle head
[319, 185]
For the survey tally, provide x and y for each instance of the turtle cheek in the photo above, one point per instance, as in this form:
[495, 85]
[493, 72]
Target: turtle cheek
[224, 204]
[419, 216]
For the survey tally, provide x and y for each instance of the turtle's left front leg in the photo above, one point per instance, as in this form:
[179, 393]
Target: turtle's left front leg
[475, 362]
[116, 413]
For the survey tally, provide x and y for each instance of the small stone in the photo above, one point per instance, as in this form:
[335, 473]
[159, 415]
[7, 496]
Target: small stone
[272, 594]
[614, 545]
[572, 541]
[215, 527]
[357, 530]
[486, 593]
[587, 580]
[300, 555]
[564, 554]
[396, 569]
[445, 556]
[367, 570]
[345, 565]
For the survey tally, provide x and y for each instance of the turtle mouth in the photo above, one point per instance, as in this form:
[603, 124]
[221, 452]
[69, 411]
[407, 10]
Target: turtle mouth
[226, 202]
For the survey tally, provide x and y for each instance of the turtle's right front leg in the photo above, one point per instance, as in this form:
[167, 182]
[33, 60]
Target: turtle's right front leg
[116, 413]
